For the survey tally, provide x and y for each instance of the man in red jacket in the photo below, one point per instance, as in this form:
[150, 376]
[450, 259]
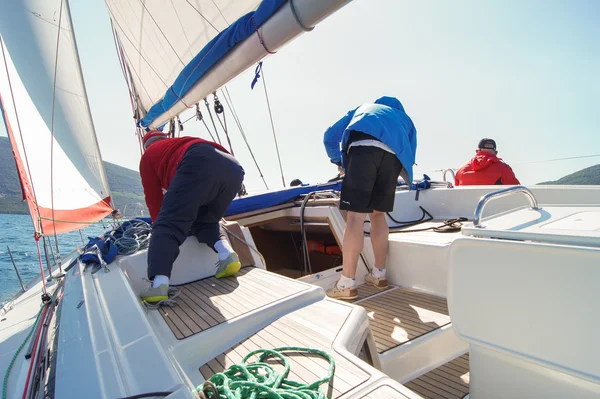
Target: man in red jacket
[189, 184]
[485, 168]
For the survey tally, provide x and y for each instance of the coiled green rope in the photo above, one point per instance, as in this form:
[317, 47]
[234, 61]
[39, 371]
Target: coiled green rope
[260, 380]
[12, 362]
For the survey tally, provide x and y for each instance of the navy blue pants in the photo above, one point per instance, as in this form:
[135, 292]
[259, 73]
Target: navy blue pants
[206, 182]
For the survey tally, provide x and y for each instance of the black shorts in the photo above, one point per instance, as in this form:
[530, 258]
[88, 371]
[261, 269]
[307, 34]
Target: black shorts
[370, 180]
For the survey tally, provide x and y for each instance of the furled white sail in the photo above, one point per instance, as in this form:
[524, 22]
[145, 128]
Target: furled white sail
[65, 171]
[161, 38]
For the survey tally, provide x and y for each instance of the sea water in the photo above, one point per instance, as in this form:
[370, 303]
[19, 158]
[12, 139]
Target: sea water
[16, 231]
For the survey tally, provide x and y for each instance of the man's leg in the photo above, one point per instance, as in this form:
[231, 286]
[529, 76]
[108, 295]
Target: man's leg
[354, 239]
[359, 180]
[190, 188]
[384, 195]
[207, 228]
[379, 238]
[211, 234]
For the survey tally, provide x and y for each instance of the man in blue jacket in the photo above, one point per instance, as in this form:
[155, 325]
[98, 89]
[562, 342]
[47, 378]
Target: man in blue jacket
[374, 143]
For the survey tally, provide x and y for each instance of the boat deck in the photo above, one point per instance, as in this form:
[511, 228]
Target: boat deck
[315, 326]
[418, 233]
[384, 392]
[449, 381]
[206, 303]
[398, 315]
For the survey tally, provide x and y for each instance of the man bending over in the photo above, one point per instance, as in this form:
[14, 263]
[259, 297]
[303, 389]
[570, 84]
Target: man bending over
[189, 184]
[374, 143]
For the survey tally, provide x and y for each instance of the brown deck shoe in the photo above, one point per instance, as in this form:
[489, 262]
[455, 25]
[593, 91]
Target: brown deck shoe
[376, 282]
[346, 293]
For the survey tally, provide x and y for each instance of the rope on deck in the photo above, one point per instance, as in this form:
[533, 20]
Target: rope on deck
[260, 380]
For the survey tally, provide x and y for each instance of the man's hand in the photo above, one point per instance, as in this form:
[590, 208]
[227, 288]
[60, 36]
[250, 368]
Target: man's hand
[340, 167]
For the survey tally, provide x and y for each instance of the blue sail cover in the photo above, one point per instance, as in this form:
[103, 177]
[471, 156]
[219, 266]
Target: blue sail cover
[214, 51]
[273, 198]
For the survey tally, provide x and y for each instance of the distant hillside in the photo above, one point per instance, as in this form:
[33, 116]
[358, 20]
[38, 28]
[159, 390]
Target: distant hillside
[126, 188]
[125, 185]
[587, 176]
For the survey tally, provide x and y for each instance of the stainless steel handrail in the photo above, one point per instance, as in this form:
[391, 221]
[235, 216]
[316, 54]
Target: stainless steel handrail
[453, 175]
[499, 194]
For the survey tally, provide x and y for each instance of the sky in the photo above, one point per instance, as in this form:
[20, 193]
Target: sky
[524, 73]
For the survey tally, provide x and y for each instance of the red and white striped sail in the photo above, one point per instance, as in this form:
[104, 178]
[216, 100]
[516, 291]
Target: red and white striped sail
[62, 174]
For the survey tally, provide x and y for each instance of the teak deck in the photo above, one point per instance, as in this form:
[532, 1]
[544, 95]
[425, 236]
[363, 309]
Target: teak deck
[206, 303]
[314, 326]
[449, 381]
[398, 315]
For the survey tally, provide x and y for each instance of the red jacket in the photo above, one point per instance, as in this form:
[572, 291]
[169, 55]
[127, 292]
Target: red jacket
[485, 169]
[159, 164]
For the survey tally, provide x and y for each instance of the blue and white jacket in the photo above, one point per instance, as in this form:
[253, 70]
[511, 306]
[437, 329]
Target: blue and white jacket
[386, 121]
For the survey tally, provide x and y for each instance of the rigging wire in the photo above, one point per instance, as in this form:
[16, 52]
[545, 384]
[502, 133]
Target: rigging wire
[241, 129]
[558, 159]
[539, 161]
[212, 120]
[183, 29]
[126, 62]
[305, 250]
[39, 251]
[221, 12]
[139, 105]
[48, 264]
[203, 17]
[224, 126]
[272, 126]
[134, 98]
[134, 47]
[219, 107]
[52, 131]
[161, 31]
[121, 62]
[199, 117]
[189, 119]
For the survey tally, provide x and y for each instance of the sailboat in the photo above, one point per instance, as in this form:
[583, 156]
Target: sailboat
[480, 307]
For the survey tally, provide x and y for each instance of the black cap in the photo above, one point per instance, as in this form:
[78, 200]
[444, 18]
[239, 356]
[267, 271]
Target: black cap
[487, 144]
